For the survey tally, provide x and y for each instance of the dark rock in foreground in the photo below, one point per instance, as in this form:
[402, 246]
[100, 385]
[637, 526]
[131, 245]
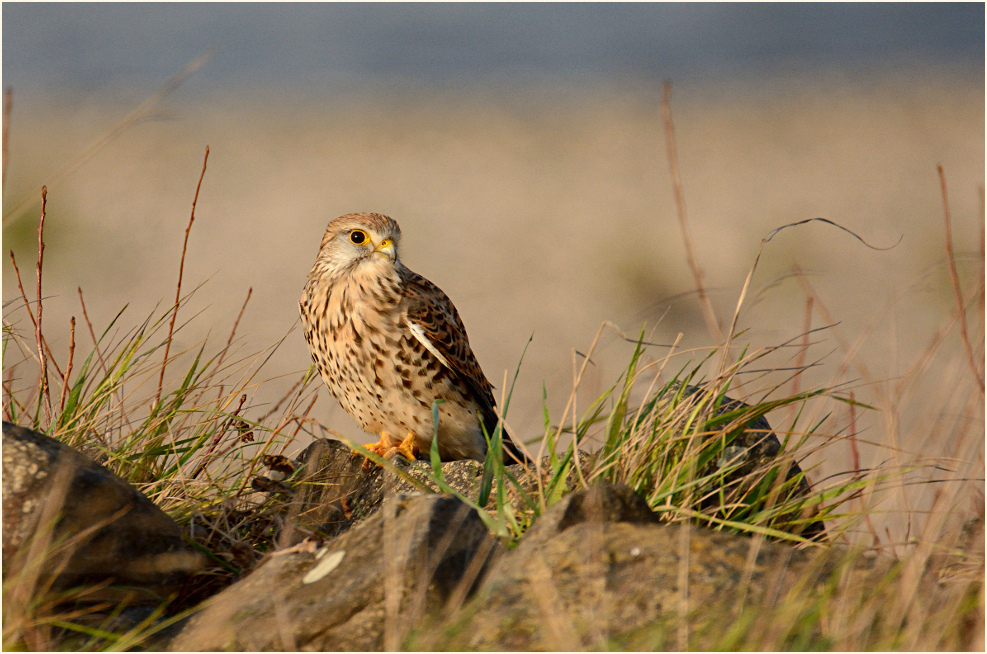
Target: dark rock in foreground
[364, 590]
[62, 508]
[597, 569]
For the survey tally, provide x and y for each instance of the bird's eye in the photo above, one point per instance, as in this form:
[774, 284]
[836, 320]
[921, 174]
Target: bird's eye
[358, 236]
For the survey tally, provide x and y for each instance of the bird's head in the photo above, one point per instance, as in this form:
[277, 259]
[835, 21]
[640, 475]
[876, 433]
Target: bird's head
[358, 239]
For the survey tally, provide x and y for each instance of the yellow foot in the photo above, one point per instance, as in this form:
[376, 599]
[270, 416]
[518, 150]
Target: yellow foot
[408, 447]
[387, 447]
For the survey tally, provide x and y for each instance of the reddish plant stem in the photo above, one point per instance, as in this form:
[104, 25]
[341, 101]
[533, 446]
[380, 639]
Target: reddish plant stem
[854, 451]
[284, 398]
[673, 163]
[983, 243]
[7, 387]
[804, 347]
[274, 434]
[298, 425]
[27, 305]
[68, 368]
[229, 341]
[37, 325]
[236, 323]
[983, 240]
[92, 333]
[983, 223]
[218, 437]
[955, 280]
[178, 291]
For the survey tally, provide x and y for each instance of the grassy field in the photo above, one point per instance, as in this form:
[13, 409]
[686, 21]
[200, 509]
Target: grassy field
[538, 213]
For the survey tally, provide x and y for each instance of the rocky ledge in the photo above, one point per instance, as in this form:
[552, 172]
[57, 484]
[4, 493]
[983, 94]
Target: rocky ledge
[365, 560]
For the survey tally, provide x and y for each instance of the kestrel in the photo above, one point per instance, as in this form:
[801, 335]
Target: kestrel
[388, 343]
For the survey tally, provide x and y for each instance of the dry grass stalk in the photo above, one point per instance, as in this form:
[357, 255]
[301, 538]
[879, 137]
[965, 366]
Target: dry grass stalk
[570, 407]
[45, 390]
[28, 566]
[229, 341]
[954, 279]
[804, 346]
[92, 333]
[68, 368]
[204, 461]
[34, 320]
[709, 315]
[142, 112]
[556, 619]
[181, 271]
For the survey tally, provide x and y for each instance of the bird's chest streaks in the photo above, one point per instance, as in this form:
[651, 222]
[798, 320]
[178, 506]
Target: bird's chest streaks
[375, 365]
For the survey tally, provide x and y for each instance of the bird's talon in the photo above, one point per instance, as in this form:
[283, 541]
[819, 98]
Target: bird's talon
[408, 447]
[388, 447]
[380, 448]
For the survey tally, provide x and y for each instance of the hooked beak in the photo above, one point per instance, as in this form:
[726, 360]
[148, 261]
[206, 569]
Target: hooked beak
[386, 248]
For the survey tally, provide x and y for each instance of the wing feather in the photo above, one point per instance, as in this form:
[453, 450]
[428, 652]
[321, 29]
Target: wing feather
[437, 325]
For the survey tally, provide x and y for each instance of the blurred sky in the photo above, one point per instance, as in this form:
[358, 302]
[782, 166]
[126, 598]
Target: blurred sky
[81, 46]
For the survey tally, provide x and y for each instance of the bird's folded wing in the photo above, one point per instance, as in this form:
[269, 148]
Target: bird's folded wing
[435, 322]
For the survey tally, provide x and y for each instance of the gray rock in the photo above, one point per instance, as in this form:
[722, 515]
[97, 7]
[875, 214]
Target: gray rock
[364, 590]
[744, 459]
[84, 524]
[331, 490]
[602, 503]
[598, 568]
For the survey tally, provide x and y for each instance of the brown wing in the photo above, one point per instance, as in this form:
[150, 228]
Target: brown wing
[434, 313]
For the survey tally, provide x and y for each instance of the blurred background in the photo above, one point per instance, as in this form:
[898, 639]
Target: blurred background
[522, 150]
